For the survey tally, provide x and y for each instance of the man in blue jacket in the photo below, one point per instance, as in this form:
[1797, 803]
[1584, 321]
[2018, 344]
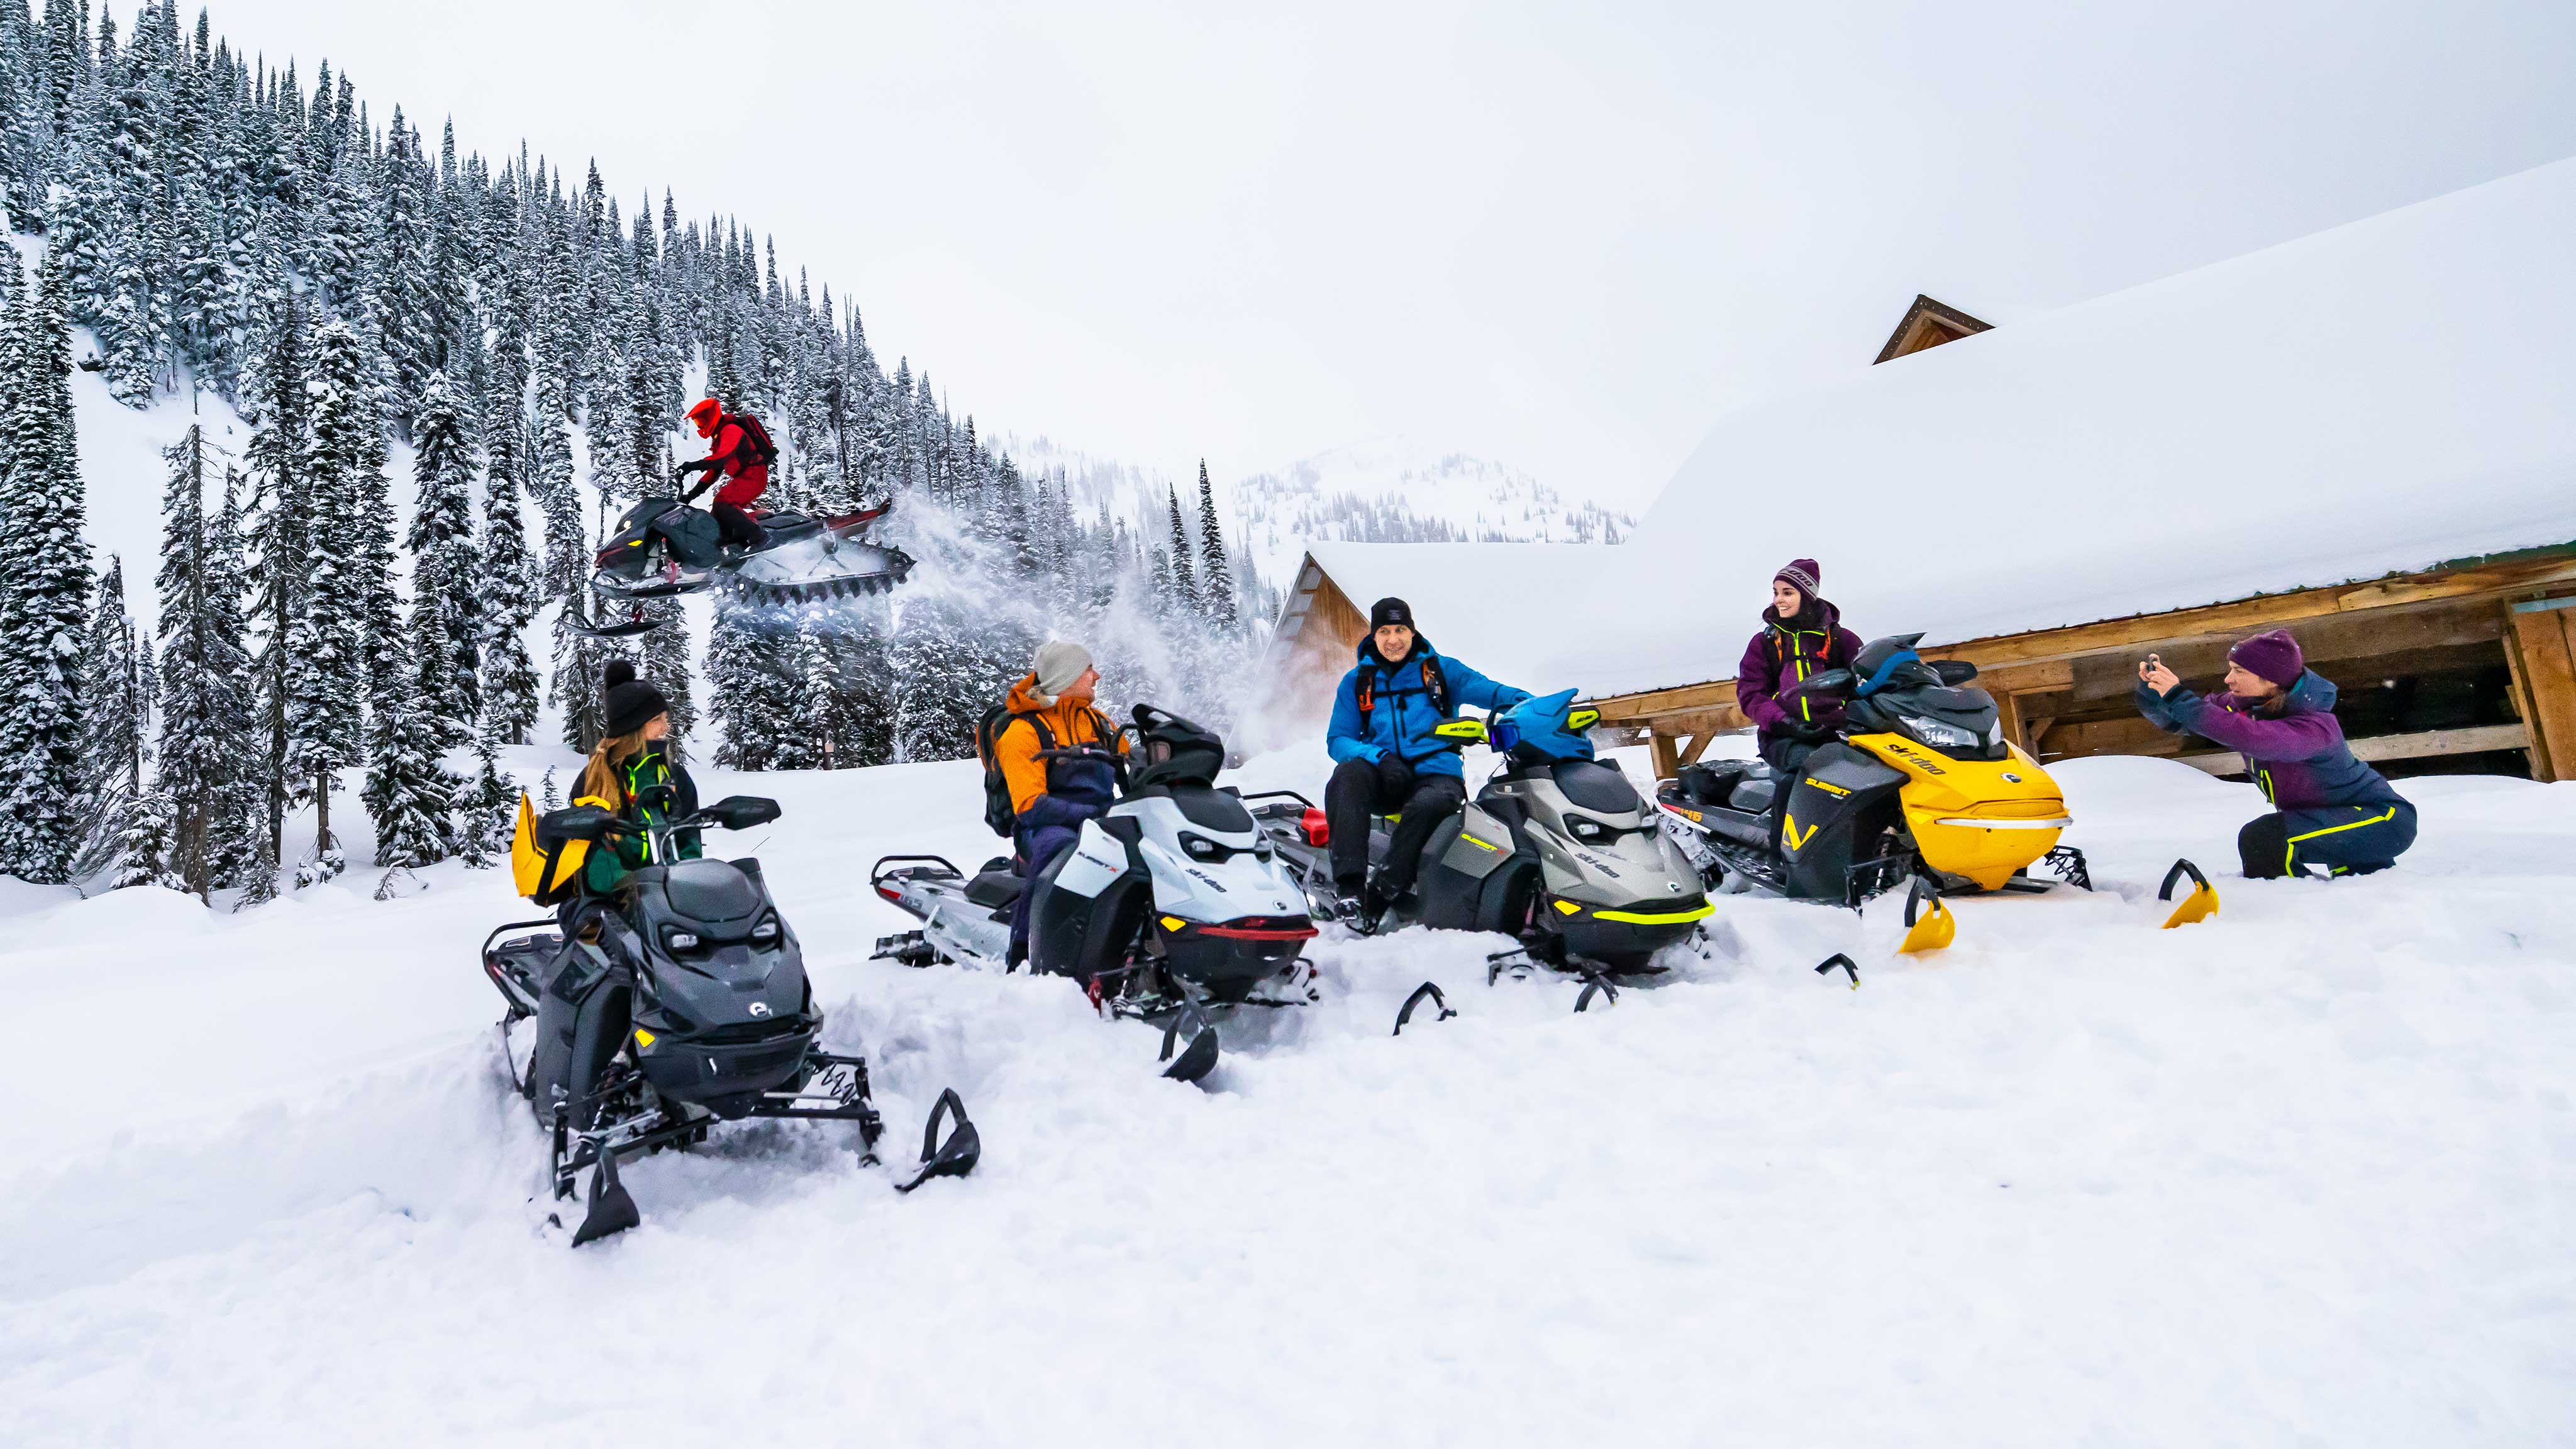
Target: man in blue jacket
[1388, 760]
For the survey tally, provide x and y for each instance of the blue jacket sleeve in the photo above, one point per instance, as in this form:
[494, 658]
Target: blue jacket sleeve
[1469, 687]
[1342, 738]
[2159, 709]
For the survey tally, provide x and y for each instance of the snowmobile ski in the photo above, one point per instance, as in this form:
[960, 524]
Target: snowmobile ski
[2199, 905]
[1424, 992]
[955, 1157]
[1936, 929]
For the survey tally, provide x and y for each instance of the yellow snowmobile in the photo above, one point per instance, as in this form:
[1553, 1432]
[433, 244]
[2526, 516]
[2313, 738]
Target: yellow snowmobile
[1919, 781]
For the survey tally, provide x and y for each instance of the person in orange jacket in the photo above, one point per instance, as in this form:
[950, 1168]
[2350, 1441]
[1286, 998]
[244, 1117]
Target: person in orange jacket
[733, 455]
[1062, 760]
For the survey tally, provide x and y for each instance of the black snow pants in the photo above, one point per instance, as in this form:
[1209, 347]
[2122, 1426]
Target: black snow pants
[2335, 839]
[1355, 794]
[735, 526]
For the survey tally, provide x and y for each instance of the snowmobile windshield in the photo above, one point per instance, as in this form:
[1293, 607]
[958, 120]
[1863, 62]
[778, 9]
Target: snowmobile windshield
[1961, 723]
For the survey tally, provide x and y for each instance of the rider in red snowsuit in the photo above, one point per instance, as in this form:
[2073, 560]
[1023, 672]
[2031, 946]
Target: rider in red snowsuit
[731, 457]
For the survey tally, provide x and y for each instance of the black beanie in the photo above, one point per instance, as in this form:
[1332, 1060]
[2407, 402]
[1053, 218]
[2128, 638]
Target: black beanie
[1390, 611]
[630, 703]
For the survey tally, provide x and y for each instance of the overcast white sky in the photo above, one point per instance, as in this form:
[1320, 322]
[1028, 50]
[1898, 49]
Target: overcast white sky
[1566, 236]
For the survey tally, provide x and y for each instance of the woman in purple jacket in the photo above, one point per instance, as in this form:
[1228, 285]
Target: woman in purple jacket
[2330, 811]
[1801, 635]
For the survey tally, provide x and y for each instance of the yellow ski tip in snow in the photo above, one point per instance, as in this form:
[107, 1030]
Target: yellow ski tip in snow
[1936, 929]
[2200, 905]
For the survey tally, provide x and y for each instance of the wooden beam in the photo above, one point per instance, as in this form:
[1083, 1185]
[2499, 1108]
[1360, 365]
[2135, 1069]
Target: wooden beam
[2476, 740]
[1699, 746]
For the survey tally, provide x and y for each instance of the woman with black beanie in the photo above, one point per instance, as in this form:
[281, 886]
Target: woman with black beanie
[631, 771]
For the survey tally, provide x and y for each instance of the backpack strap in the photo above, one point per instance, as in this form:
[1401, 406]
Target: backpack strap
[1436, 683]
[1366, 690]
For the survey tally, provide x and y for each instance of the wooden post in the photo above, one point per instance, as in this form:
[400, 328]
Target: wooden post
[2543, 656]
[1666, 756]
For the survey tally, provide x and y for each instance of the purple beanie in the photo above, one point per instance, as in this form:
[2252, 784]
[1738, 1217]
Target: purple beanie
[1800, 574]
[2272, 655]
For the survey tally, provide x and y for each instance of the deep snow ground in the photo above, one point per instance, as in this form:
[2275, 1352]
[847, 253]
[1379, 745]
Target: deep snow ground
[2301, 1174]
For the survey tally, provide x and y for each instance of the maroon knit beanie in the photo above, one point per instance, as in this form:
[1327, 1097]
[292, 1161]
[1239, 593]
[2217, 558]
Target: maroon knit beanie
[1801, 574]
[2272, 655]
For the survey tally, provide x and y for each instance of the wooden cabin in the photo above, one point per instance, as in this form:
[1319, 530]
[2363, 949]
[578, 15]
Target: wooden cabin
[2167, 469]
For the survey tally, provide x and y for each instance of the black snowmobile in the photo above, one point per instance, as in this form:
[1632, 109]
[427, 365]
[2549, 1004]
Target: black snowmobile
[682, 1004]
[1556, 849]
[1172, 908]
[1917, 783]
[663, 548]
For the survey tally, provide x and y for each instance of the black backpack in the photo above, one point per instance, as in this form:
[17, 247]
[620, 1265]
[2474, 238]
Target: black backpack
[755, 440]
[999, 813]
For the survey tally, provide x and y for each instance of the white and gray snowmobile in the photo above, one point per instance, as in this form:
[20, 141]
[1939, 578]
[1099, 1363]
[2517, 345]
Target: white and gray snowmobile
[1556, 849]
[663, 548]
[680, 1004]
[1172, 908]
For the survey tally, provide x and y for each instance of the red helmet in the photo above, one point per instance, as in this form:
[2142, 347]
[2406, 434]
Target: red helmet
[706, 415]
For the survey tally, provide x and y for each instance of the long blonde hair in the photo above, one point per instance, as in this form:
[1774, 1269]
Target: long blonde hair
[603, 777]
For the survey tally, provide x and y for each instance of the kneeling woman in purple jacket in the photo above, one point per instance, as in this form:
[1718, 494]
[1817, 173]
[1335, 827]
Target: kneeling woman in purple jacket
[2330, 811]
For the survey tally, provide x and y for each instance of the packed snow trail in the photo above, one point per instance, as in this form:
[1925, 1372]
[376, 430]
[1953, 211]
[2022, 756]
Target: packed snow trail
[2301, 1172]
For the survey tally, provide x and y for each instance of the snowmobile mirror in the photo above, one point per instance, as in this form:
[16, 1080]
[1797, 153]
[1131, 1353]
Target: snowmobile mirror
[1954, 672]
[742, 812]
[574, 822]
[1470, 730]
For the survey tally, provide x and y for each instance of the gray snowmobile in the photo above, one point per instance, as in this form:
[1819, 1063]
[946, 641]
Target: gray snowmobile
[681, 1003]
[1171, 909]
[663, 548]
[1557, 849]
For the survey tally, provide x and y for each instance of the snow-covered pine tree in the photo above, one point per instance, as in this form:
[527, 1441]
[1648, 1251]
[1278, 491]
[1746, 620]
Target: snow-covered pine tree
[487, 811]
[509, 595]
[283, 550]
[409, 794]
[445, 631]
[114, 726]
[44, 588]
[752, 699]
[1185, 587]
[205, 679]
[1216, 577]
[327, 663]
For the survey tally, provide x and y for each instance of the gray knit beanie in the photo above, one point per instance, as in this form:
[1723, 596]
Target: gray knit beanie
[1060, 662]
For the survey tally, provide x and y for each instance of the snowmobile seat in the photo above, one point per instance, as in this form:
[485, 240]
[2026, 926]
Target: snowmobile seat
[995, 888]
[1709, 784]
[1596, 786]
[1754, 794]
[1202, 805]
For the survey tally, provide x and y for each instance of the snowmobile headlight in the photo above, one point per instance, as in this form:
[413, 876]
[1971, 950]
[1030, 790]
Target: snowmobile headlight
[1938, 735]
[1200, 847]
[766, 932]
[1587, 829]
[679, 940]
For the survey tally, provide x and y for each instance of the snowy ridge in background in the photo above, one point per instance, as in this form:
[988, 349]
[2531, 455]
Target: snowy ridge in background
[1385, 490]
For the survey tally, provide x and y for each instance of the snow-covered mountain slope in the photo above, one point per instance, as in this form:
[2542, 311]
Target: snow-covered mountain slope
[2301, 1172]
[1385, 490]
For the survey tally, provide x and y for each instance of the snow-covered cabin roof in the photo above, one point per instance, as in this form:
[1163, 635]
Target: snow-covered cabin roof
[2380, 398]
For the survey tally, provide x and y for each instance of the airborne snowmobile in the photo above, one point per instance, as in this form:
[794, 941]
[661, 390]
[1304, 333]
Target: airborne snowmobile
[684, 1006]
[1919, 783]
[1172, 908]
[1557, 849]
[663, 548]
